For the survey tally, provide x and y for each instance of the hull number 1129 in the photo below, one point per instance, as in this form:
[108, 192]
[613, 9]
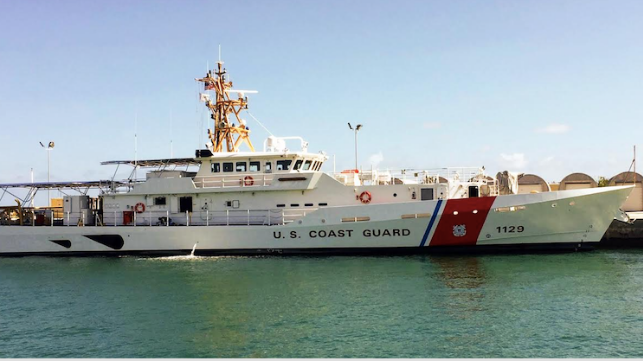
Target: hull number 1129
[510, 229]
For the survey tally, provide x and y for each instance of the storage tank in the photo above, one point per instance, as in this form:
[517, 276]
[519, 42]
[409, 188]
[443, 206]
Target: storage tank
[531, 183]
[635, 201]
[577, 181]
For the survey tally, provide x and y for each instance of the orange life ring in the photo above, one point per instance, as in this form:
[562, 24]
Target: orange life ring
[365, 197]
[248, 181]
[139, 207]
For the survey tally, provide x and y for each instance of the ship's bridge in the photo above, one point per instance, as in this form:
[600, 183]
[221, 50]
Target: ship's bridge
[260, 162]
[255, 167]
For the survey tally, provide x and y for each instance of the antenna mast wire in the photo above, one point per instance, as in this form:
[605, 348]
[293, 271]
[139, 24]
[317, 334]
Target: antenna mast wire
[257, 120]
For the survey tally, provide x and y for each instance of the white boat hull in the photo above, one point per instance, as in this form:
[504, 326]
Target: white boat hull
[569, 219]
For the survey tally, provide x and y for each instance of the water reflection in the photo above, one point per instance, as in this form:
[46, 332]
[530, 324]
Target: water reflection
[442, 306]
[459, 272]
[464, 278]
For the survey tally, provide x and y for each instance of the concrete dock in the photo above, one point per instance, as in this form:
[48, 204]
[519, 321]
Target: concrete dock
[624, 235]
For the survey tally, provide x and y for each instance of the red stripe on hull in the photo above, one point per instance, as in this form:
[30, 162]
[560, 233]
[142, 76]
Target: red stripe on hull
[463, 228]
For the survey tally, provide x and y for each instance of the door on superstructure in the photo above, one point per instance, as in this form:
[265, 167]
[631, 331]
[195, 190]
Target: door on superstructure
[185, 204]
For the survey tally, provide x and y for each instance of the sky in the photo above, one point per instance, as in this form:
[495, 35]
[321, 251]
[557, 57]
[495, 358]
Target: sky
[542, 87]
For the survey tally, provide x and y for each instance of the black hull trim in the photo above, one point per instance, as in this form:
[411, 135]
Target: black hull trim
[491, 249]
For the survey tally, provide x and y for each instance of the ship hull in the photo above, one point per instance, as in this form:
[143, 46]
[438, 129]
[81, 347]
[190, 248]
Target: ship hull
[565, 220]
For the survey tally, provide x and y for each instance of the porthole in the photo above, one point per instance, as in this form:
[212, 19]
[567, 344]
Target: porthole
[455, 213]
[394, 194]
[553, 205]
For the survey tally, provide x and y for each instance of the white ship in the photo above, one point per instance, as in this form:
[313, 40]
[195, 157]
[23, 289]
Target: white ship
[278, 201]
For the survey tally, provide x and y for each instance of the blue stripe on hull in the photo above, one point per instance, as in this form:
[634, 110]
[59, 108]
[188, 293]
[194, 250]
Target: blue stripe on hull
[428, 228]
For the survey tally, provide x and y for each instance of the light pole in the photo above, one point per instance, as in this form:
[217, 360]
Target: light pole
[357, 128]
[48, 147]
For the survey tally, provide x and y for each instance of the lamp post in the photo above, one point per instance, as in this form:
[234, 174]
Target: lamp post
[357, 128]
[48, 147]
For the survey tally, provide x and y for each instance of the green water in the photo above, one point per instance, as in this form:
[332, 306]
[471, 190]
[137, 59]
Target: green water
[562, 305]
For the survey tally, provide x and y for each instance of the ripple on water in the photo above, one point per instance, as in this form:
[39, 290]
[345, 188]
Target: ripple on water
[561, 305]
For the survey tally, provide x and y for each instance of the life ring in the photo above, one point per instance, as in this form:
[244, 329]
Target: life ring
[248, 181]
[365, 197]
[139, 207]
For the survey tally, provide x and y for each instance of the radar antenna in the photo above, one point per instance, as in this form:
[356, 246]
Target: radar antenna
[225, 130]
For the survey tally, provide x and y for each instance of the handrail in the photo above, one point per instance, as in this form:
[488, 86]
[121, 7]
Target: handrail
[242, 180]
[417, 176]
[229, 217]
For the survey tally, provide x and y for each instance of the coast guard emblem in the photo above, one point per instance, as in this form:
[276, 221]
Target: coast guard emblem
[459, 230]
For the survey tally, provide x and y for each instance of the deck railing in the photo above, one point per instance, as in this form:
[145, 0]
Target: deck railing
[231, 217]
[238, 180]
[410, 176]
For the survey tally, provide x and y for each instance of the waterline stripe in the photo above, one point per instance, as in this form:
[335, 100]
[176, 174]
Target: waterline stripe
[428, 229]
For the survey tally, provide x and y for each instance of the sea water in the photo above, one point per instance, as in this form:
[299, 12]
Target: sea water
[546, 305]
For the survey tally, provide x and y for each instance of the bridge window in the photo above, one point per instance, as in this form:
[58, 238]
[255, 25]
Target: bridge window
[160, 201]
[228, 167]
[284, 164]
[255, 166]
[216, 167]
[268, 167]
[307, 164]
[298, 164]
[241, 166]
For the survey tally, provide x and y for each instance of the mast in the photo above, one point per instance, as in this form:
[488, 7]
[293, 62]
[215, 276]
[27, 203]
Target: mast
[229, 129]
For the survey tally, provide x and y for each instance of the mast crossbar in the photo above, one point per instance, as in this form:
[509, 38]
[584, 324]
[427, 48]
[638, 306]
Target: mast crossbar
[224, 111]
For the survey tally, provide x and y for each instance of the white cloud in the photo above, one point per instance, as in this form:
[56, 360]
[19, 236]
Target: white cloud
[546, 161]
[554, 129]
[432, 125]
[375, 159]
[513, 161]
